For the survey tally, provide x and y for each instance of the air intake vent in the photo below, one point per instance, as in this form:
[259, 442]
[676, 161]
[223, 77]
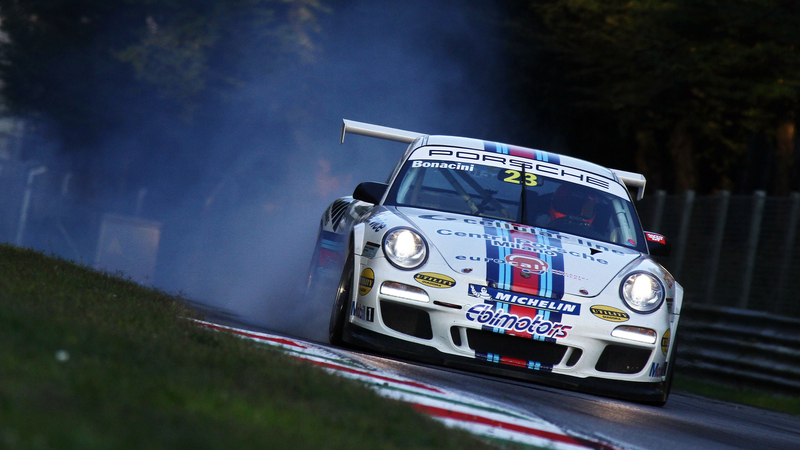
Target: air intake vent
[515, 347]
[622, 359]
[406, 320]
[456, 336]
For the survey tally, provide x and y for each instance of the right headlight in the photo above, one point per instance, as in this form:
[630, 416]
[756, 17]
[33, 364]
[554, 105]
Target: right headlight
[642, 292]
[405, 248]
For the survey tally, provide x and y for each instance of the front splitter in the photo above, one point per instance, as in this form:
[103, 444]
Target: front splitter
[655, 393]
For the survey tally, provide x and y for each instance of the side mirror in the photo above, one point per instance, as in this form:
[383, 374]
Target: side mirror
[370, 192]
[657, 244]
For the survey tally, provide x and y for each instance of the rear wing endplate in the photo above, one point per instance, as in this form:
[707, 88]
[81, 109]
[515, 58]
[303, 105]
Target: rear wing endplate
[632, 180]
[377, 131]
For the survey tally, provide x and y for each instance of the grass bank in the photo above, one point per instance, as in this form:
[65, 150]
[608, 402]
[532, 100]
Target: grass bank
[90, 361]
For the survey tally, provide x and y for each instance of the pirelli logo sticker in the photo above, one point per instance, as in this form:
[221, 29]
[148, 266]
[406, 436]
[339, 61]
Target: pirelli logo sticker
[609, 313]
[366, 281]
[435, 280]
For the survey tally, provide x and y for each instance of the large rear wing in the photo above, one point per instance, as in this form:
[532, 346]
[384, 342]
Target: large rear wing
[377, 131]
[630, 179]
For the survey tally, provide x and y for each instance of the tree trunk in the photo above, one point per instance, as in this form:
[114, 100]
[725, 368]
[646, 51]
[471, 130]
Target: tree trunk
[784, 155]
[680, 146]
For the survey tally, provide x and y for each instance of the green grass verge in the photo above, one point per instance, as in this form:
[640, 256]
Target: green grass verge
[785, 404]
[90, 361]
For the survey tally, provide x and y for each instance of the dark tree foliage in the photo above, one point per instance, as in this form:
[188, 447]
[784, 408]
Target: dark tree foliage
[680, 87]
[75, 61]
[135, 90]
[56, 53]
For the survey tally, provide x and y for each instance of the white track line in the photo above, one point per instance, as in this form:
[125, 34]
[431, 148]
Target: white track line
[450, 407]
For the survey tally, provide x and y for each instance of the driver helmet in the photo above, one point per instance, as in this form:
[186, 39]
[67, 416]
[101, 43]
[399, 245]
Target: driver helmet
[573, 201]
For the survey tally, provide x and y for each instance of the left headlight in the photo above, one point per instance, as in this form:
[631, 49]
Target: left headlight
[642, 292]
[405, 248]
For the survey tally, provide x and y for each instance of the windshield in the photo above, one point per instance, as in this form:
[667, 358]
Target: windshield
[524, 192]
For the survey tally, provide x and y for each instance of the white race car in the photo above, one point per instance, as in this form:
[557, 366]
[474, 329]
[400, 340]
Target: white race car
[513, 261]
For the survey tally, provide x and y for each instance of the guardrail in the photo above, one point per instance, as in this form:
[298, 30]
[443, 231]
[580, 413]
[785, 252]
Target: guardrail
[739, 251]
[747, 349]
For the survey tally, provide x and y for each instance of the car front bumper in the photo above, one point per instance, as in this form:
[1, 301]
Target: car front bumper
[587, 358]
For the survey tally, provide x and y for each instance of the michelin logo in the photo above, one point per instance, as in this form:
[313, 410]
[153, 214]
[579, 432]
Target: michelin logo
[488, 293]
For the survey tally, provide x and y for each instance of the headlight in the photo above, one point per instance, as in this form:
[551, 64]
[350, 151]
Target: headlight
[405, 248]
[404, 291]
[642, 292]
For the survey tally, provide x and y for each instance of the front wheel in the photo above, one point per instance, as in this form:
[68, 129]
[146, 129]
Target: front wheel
[668, 378]
[670, 369]
[342, 302]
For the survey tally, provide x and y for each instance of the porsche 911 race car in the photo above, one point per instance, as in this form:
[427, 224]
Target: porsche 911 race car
[509, 260]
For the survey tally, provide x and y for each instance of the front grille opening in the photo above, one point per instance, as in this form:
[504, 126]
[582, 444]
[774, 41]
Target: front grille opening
[406, 320]
[574, 357]
[516, 347]
[455, 335]
[622, 359]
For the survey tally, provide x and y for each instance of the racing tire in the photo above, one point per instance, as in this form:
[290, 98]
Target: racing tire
[344, 294]
[670, 370]
[668, 378]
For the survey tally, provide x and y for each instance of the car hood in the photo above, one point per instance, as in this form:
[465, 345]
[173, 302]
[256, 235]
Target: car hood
[519, 258]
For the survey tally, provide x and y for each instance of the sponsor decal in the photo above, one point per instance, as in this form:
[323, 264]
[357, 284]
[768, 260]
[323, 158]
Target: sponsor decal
[376, 223]
[366, 281]
[491, 294]
[525, 271]
[506, 274]
[504, 241]
[506, 226]
[571, 276]
[658, 370]
[609, 313]
[655, 237]
[528, 263]
[536, 326]
[443, 165]
[435, 280]
[549, 250]
[539, 168]
[665, 342]
[370, 249]
[364, 312]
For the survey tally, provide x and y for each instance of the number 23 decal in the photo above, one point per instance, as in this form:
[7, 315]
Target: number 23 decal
[513, 176]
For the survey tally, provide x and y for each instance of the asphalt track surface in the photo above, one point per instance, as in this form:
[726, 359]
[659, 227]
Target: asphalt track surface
[685, 422]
